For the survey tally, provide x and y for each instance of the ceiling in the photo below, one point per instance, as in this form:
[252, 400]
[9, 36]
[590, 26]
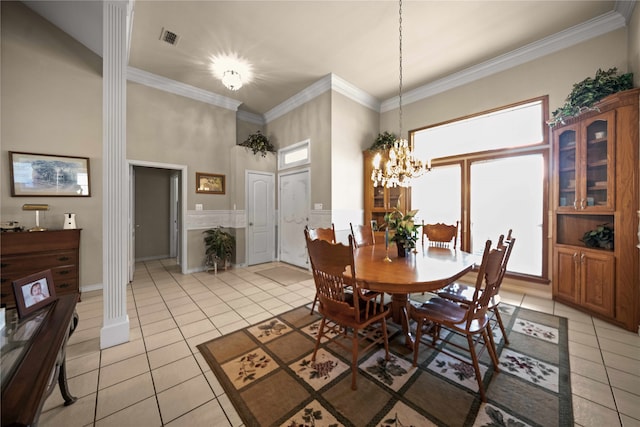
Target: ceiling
[293, 44]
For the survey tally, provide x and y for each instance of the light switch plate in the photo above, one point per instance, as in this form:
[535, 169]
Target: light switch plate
[198, 206]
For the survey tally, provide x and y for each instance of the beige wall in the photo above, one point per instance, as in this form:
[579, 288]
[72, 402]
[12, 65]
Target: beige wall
[171, 129]
[310, 121]
[552, 75]
[52, 104]
[353, 129]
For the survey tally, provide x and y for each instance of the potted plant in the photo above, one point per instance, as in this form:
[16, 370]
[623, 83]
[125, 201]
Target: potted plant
[600, 237]
[383, 141]
[258, 143]
[589, 91]
[219, 246]
[404, 227]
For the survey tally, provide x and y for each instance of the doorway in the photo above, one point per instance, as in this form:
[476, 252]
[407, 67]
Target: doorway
[171, 183]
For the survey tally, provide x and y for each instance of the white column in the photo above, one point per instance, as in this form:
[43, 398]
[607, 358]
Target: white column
[115, 328]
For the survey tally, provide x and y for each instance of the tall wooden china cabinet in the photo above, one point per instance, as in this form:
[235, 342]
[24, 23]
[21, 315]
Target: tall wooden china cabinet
[595, 182]
[379, 200]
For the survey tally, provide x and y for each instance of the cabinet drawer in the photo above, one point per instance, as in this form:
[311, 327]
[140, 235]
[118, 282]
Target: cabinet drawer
[37, 262]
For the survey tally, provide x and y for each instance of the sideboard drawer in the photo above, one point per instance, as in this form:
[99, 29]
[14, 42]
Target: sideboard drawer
[25, 253]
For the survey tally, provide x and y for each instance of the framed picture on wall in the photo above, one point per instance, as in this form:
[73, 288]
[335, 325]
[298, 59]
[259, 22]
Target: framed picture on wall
[49, 175]
[209, 183]
[34, 292]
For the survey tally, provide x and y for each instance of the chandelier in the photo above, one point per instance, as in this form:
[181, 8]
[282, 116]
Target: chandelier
[401, 166]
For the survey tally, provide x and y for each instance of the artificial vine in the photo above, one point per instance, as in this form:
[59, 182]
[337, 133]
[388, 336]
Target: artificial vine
[589, 91]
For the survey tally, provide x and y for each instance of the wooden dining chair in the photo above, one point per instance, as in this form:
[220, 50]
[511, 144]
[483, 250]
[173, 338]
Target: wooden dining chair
[362, 235]
[470, 320]
[343, 312]
[328, 234]
[441, 235]
[461, 293]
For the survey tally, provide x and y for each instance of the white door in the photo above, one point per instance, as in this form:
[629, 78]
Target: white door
[294, 216]
[131, 247]
[260, 217]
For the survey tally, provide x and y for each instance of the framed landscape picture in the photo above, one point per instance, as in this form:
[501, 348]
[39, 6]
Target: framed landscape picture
[34, 292]
[209, 183]
[49, 175]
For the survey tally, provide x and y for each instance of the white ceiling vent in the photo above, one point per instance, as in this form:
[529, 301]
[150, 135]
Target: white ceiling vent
[169, 37]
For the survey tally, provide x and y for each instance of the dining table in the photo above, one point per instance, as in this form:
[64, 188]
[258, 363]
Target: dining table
[424, 269]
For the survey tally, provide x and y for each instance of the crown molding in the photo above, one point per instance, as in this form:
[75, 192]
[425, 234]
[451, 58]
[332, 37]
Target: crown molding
[256, 119]
[354, 93]
[598, 26]
[300, 98]
[162, 83]
[328, 82]
[625, 8]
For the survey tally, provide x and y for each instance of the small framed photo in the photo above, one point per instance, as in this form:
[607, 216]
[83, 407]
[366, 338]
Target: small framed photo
[209, 183]
[34, 292]
[49, 175]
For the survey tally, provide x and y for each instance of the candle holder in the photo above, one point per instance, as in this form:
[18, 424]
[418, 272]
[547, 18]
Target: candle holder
[386, 257]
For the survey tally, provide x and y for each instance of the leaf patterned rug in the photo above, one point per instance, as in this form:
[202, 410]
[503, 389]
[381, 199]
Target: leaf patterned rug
[267, 373]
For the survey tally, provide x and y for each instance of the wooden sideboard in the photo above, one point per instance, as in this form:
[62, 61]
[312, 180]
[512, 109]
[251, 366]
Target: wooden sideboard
[33, 360]
[24, 253]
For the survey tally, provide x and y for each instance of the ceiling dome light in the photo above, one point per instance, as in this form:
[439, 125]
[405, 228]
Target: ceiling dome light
[232, 80]
[232, 70]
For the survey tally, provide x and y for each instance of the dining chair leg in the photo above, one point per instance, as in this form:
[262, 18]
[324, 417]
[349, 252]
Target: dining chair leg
[476, 367]
[320, 332]
[313, 306]
[416, 344]
[385, 335]
[487, 335]
[354, 359]
[499, 320]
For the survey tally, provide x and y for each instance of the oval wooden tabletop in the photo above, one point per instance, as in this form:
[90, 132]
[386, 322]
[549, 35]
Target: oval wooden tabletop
[427, 270]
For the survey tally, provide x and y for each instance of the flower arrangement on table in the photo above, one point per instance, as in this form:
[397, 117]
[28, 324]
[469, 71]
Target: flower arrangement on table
[404, 227]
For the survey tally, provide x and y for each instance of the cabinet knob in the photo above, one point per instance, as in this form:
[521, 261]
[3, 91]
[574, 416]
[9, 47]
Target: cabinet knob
[64, 272]
[64, 258]
[64, 285]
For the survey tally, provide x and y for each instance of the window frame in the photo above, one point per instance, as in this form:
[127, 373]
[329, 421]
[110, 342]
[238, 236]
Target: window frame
[466, 160]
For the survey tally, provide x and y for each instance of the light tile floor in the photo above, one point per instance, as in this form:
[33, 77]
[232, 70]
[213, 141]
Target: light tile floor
[159, 378]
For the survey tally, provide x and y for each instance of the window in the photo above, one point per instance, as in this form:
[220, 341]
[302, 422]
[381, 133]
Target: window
[294, 155]
[489, 173]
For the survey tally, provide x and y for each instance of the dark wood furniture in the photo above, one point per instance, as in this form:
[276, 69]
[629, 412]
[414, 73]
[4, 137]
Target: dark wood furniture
[442, 235]
[378, 201]
[470, 320]
[345, 313]
[463, 294]
[31, 374]
[596, 181]
[24, 253]
[429, 269]
[362, 235]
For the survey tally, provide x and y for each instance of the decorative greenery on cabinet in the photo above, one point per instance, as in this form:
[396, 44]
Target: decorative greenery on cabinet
[589, 91]
[258, 143]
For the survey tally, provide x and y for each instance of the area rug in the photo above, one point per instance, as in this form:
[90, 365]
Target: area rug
[267, 373]
[285, 275]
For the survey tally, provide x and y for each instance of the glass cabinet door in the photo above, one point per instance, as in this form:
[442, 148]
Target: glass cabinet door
[378, 197]
[567, 156]
[598, 163]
